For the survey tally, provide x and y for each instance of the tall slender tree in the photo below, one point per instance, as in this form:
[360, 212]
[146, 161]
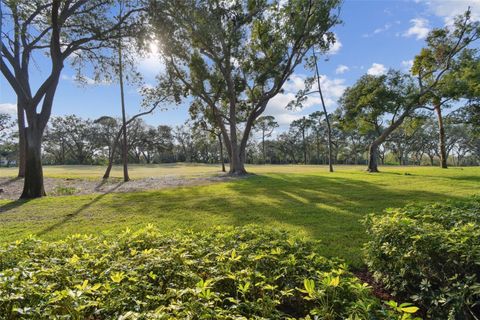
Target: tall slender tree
[324, 107]
[122, 101]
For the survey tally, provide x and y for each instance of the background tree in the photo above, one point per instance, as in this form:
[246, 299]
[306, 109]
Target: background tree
[106, 128]
[70, 139]
[155, 97]
[379, 104]
[8, 147]
[439, 67]
[302, 126]
[266, 125]
[235, 56]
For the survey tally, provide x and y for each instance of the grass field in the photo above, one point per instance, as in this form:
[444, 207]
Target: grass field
[306, 200]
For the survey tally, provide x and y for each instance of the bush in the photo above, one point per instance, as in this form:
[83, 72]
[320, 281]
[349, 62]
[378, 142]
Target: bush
[225, 274]
[431, 254]
[64, 191]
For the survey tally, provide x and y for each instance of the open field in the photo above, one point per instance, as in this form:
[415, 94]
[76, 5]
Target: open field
[306, 200]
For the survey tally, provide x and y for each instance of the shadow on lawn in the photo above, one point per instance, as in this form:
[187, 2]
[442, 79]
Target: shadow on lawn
[13, 204]
[75, 213]
[9, 181]
[327, 208]
[318, 204]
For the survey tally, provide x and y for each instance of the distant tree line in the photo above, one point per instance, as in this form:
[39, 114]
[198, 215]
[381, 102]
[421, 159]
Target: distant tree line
[73, 140]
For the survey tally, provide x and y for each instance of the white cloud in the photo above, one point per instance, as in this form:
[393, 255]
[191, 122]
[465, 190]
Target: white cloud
[336, 47]
[407, 64]
[378, 30]
[9, 108]
[419, 28]
[85, 80]
[332, 90]
[341, 69]
[382, 29]
[377, 69]
[449, 9]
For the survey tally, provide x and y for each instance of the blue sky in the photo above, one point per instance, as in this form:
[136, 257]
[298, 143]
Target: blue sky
[374, 36]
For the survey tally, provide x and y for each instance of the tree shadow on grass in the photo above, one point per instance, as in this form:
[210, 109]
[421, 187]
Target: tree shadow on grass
[317, 204]
[9, 181]
[75, 213]
[466, 178]
[327, 208]
[13, 204]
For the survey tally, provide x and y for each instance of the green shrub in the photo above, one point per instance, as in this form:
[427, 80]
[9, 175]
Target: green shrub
[225, 274]
[431, 254]
[64, 191]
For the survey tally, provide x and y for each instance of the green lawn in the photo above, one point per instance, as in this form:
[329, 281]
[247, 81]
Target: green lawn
[306, 200]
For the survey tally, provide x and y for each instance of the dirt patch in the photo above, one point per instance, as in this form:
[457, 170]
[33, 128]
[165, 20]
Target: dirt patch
[11, 188]
[377, 288]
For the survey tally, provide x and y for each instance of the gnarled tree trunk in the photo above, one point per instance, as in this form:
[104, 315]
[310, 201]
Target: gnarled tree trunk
[373, 148]
[373, 157]
[237, 161]
[33, 185]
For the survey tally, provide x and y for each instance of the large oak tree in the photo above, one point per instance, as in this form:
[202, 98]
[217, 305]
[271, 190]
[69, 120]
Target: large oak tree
[236, 55]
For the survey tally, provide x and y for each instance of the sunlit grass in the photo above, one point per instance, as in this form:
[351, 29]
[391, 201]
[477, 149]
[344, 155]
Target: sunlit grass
[306, 200]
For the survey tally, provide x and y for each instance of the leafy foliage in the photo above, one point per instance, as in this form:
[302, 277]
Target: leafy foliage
[432, 254]
[225, 274]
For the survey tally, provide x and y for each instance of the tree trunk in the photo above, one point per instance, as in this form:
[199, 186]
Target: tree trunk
[33, 185]
[221, 152]
[441, 137]
[330, 164]
[373, 149]
[124, 119]
[304, 147]
[106, 175]
[373, 157]
[237, 163]
[21, 139]
[263, 147]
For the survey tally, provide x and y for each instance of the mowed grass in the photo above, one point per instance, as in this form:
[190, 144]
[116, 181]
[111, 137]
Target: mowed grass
[305, 200]
[135, 171]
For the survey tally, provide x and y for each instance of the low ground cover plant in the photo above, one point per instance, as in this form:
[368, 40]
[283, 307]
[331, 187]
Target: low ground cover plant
[242, 273]
[431, 254]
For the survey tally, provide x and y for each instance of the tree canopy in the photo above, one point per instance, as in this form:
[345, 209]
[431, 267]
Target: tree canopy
[235, 56]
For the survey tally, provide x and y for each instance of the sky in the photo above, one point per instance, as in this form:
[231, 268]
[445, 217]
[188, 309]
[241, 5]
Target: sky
[375, 35]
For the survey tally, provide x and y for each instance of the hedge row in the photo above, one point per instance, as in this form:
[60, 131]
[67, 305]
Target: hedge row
[224, 274]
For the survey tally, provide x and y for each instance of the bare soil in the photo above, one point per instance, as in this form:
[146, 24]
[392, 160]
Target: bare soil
[11, 188]
[378, 289]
